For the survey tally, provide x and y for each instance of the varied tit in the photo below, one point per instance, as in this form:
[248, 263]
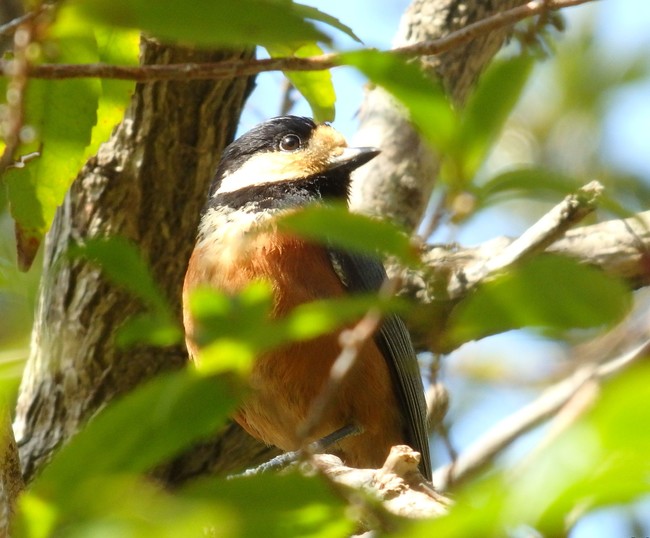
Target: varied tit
[281, 165]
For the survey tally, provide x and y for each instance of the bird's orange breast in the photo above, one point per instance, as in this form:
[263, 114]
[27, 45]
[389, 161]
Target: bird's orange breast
[285, 381]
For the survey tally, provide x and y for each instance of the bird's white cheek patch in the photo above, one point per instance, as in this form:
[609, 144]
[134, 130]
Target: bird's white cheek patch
[277, 166]
[264, 169]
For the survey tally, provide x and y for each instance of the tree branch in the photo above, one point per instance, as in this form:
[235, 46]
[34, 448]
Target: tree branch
[540, 235]
[483, 452]
[620, 248]
[228, 70]
[398, 484]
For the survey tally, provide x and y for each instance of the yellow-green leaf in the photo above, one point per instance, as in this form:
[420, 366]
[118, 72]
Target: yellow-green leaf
[315, 86]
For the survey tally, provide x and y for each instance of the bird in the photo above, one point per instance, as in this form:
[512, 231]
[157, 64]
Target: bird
[283, 165]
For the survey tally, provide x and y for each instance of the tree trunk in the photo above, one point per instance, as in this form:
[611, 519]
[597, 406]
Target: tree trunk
[398, 183]
[148, 183]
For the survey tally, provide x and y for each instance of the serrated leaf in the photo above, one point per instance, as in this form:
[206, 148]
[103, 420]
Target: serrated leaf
[315, 86]
[482, 119]
[142, 429]
[427, 105]
[550, 292]
[61, 115]
[359, 233]
[209, 23]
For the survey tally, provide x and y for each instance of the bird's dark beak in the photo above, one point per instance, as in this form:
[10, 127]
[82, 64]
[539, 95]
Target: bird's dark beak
[352, 158]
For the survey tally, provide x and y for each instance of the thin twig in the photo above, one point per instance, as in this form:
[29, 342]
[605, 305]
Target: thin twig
[14, 118]
[351, 340]
[11, 26]
[225, 70]
[483, 452]
[537, 238]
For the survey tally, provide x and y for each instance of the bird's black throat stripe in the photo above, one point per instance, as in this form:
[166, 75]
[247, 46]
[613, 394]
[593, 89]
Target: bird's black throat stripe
[283, 194]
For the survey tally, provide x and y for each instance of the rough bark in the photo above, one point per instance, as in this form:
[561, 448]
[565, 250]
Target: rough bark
[398, 183]
[147, 183]
[11, 482]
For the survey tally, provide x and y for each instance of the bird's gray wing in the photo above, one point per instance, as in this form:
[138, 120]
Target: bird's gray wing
[359, 274]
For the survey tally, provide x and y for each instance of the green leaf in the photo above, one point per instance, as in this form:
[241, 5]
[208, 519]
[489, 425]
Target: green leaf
[310, 12]
[600, 460]
[486, 112]
[245, 319]
[152, 329]
[59, 117]
[552, 292]
[209, 23]
[278, 506]
[142, 429]
[117, 47]
[537, 183]
[315, 86]
[116, 506]
[359, 233]
[316, 318]
[427, 105]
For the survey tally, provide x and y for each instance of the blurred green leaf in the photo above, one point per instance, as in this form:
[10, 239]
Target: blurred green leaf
[116, 506]
[427, 105]
[315, 86]
[278, 506]
[226, 354]
[601, 460]
[142, 429]
[126, 505]
[336, 226]
[36, 517]
[623, 193]
[209, 23]
[537, 183]
[552, 292]
[483, 118]
[316, 318]
[149, 328]
[59, 117]
[246, 318]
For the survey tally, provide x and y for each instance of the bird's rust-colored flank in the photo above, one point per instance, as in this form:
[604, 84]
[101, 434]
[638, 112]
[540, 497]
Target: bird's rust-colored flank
[283, 165]
[300, 272]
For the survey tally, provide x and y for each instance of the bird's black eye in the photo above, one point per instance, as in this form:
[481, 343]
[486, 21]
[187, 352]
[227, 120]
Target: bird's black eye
[291, 142]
